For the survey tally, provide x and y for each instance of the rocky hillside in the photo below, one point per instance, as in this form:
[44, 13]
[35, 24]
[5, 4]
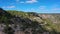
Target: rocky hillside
[31, 22]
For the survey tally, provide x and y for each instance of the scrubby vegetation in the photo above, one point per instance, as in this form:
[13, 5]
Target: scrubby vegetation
[28, 21]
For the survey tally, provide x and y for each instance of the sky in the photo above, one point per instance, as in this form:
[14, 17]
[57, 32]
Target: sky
[39, 6]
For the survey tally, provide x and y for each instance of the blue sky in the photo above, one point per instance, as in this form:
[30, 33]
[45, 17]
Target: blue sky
[40, 6]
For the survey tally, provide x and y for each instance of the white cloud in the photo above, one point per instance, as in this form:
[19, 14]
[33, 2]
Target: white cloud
[8, 7]
[56, 9]
[17, 0]
[31, 1]
[27, 1]
[22, 2]
[42, 7]
[53, 8]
